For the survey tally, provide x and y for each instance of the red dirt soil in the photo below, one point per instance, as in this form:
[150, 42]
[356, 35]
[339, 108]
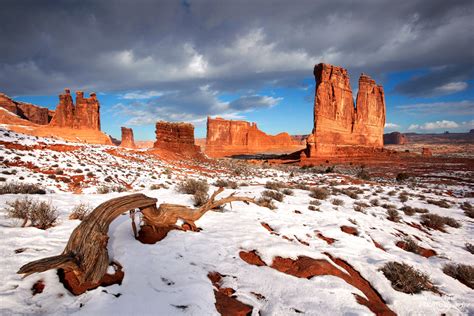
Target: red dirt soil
[305, 267]
[350, 230]
[425, 252]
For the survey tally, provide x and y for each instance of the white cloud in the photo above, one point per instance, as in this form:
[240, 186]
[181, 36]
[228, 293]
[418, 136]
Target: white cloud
[451, 87]
[137, 95]
[391, 125]
[444, 124]
[464, 107]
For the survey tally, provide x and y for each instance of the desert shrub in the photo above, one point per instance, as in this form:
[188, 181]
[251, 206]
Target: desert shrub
[461, 272]
[41, 215]
[411, 245]
[312, 208]
[78, 170]
[21, 188]
[408, 210]
[319, 193]
[337, 202]
[468, 209]
[274, 185]
[440, 203]
[104, 189]
[2, 179]
[359, 208]
[267, 202]
[315, 202]
[302, 186]
[90, 174]
[406, 279]
[200, 198]
[275, 195]
[361, 204]
[403, 197]
[350, 193]
[221, 183]
[469, 247]
[437, 222]
[389, 206]
[287, 191]
[392, 193]
[402, 176]
[393, 215]
[59, 171]
[191, 186]
[80, 211]
[375, 202]
[363, 174]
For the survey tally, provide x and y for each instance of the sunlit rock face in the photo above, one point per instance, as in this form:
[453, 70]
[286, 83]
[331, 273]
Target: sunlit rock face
[128, 140]
[228, 137]
[177, 137]
[337, 120]
[30, 112]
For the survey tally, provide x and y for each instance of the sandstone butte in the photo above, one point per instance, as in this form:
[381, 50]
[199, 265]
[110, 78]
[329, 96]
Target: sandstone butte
[340, 128]
[78, 123]
[394, 138]
[127, 138]
[177, 138]
[229, 138]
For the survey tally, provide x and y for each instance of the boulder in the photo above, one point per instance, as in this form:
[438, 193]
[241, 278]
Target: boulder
[395, 138]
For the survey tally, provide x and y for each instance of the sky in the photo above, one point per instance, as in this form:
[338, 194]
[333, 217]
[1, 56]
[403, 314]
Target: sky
[240, 59]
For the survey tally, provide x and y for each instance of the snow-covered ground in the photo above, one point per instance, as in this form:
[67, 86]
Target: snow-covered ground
[170, 277]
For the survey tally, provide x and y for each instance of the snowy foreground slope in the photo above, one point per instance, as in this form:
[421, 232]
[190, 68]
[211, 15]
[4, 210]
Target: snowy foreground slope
[171, 276]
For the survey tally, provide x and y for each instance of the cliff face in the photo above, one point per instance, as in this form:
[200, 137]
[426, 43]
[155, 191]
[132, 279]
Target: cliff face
[337, 121]
[176, 137]
[84, 115]
[227, 138]
[394, 138]
[127, 138]
[34, 114]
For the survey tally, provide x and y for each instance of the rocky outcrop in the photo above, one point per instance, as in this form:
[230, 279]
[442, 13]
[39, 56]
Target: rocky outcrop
[127, 138]
[176, 137]
[394, 138]
[228, 138]
[426, 152]
[84, 115]
[337, 121]
[34, 114]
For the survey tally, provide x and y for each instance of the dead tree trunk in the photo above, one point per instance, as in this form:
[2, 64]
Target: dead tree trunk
[86, 251]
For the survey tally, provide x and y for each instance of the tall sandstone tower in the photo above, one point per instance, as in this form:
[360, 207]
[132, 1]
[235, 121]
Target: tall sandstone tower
[338, 123]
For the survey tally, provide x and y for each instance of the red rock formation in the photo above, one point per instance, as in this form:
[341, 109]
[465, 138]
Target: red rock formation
[26, 111]
[127, 138]
[395, 138]
[337, 122]
[177, 137]
[227, 138]
[85, 115]
[426, 152]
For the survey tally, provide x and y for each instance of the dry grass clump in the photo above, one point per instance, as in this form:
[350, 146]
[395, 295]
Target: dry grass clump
[221, 183]
[437, 222]
[319, 193]
[275, 195]
[287, 191]
[271, 185]
[440, 203]
[40, 214]
[200, 198]
[302, 186]
[468, 209]
[408, 210]
[406, 279]
[393, 215]
[313, 208]
[267, 202]
[403, 197]
[363, 174]
[315, 202]
[21, 188]
[104, 189]
[80, 211]
[375, 202]
[191, 186]
[461, 272]
[337, 202]
[411, 245]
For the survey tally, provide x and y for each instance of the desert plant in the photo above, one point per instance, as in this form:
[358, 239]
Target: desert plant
[393, 215]
[287, 191]
[411, 245]
[440, 203]
[104, 189]
[468, 209]
[80, 211]
[20, 209]
[337, 202]
[191, 186]
[437, 222]
[41, 215]
[406, 279]
[302, 186]
[461, 272]
[375, 202]
[402, 176]
[312, 208]
[315, 202]
[221, 183]
[403, 197]
[200, 198]
[267, 202]
[408, 210]
[363, 174]
[21, 188]
[319, 193]
[275, 195]
[271, 185]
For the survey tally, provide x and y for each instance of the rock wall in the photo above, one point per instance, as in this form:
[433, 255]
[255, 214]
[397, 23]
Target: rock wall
[176, 137]
[127, 138]
[227, 138]
[394, 138]
[337, 121]
[35, 114]
[84, 115]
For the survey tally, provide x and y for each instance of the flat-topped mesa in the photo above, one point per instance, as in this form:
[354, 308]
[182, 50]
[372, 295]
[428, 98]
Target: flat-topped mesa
[176, 137]
[394, 138]
[30, 112]
[84, 115]
[127, 138]
[338, 123]
[228, 138]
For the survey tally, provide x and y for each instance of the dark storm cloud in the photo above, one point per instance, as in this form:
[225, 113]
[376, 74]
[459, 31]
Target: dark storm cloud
[227, 46]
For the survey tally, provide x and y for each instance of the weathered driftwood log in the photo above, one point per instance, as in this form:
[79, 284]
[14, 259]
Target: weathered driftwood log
[86, 252]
